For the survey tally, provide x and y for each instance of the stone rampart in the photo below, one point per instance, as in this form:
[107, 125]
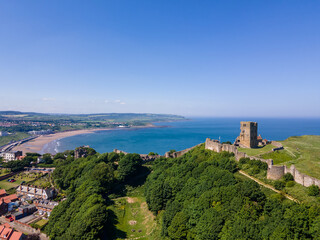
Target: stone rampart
[274, 172]
[277, 144]
[144, 157]
[216, 146]
[120, 151]
[179, 153]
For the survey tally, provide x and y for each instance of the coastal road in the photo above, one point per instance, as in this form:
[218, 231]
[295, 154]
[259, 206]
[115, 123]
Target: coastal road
[269, 186]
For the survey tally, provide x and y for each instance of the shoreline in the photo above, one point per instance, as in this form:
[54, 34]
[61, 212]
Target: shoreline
[38, 144]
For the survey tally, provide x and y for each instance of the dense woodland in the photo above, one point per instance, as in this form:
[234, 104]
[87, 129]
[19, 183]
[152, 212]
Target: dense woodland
[86, 182]
[197, 196]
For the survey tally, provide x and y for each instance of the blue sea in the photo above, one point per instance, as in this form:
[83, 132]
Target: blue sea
[183, 134]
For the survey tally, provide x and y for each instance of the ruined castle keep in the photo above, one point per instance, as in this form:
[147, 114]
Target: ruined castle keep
[248, 135]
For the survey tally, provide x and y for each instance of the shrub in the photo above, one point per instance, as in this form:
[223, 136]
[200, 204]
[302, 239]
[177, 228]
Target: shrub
[313, 190]
[152, 154]
[290, 184]
[255, 170]
[244, 160]
[279, 185]
[288, 177]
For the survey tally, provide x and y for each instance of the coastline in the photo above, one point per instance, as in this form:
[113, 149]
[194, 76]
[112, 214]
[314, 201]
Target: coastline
[39, 143]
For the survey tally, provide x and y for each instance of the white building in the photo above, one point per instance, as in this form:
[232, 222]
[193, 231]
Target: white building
[10, 156]
[2, 134]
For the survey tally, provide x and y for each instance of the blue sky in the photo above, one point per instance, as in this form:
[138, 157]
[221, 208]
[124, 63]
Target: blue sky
[194, 58]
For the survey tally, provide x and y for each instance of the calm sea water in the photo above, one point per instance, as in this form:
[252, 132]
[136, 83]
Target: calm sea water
[184, 134]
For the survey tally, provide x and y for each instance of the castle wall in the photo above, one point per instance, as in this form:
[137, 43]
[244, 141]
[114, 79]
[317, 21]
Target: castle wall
[274, 172]
[240, 155]
[179, 153]
[120, 151]
[277, 144]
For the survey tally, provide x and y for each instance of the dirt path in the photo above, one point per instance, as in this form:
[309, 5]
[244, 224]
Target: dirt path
[269, 186]
[290, 152]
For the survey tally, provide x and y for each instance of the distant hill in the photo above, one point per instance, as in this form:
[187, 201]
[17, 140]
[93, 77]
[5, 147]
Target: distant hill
[108, 117]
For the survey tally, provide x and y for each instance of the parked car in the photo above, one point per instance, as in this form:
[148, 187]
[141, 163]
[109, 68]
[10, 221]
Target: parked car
[9, 180]
[23, 182]
[12, 180]
[11, 219]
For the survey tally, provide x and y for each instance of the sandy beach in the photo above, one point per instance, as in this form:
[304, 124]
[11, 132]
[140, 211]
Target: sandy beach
[37, 144]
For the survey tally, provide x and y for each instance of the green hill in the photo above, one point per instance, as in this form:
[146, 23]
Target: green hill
[302, 151]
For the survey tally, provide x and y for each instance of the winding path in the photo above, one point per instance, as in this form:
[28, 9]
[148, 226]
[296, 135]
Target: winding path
[269, 186]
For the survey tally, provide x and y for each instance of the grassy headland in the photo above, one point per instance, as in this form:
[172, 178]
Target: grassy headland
[302, 151]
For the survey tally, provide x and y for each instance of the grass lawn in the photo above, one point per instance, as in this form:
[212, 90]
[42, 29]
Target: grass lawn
[42, 182]
[134, 220]
[302, 151]
[16, 136]
[4, 171]
[257, 151]
[19, 179]
[42, 222]
[279, 157]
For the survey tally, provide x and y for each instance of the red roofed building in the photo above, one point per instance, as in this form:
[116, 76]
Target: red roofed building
[5, 200]
[6, 232]
[3, 193]
[3, 207]
[10, 198]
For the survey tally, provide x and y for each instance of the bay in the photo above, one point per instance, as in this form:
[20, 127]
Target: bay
[183, 134]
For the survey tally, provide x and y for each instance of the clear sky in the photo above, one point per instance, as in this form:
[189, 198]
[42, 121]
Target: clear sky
[194, 58]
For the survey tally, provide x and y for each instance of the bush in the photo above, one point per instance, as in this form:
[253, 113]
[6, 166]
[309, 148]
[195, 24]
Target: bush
[152, 154]
[313, 190]
[288, 177]
[244, 161]
[255, 170]
[290, 184]
[279, 185]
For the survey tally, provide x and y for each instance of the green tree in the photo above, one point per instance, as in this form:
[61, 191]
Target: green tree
[47, 158]
[313, 190]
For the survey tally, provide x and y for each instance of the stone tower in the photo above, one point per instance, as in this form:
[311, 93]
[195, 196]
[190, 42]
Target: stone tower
[248, 135]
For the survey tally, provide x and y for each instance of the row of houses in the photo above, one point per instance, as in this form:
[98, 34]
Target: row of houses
[40, 132]
[36, 193]
[21, 207]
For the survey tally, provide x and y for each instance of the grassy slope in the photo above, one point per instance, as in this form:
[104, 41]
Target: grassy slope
[17, 136]
[133, 217]
[302, 151]
[256, 151]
